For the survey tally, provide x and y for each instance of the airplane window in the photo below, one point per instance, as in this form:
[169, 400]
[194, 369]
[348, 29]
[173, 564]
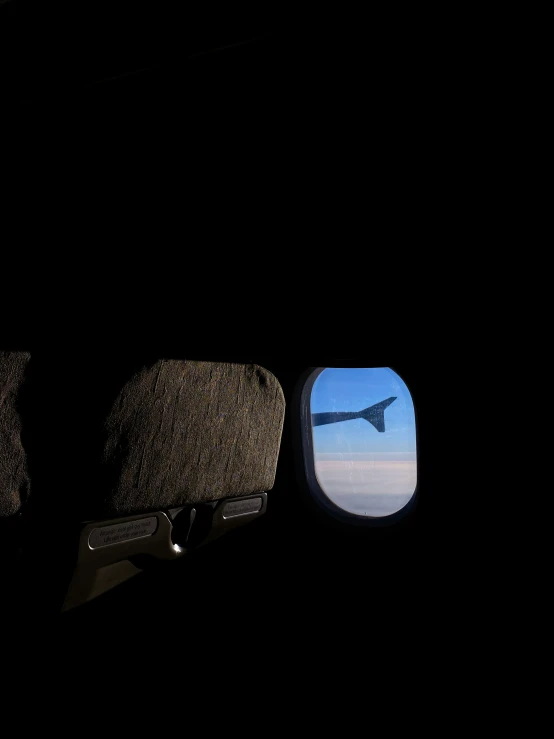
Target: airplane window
[364, 439]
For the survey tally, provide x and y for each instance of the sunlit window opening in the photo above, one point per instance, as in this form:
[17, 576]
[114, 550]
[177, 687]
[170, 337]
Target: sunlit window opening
[364, 438]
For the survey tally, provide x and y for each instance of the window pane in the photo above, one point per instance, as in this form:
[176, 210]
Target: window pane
[363, 428]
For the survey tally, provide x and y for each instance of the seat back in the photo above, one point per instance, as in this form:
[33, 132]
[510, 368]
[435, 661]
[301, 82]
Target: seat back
[189, 451]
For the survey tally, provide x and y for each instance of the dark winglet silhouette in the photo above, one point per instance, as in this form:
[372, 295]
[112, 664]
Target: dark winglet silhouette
[375, 414]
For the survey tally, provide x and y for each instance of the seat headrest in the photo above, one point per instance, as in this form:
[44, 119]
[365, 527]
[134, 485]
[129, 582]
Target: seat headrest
[14, 476]
[185, 432]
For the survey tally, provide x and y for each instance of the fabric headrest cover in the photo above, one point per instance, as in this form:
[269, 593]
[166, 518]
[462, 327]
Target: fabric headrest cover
[14, 476]
[188, 432]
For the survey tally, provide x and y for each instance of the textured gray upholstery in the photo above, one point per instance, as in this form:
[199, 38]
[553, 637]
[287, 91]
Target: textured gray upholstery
[14, 477]
[186, 432]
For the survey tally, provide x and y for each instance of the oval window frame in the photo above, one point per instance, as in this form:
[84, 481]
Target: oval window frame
[306, 460]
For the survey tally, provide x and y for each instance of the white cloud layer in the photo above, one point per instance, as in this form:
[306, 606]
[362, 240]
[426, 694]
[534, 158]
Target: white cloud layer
[365, 485]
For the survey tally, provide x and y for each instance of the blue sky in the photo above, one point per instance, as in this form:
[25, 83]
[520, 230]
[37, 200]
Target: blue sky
[354, 389]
